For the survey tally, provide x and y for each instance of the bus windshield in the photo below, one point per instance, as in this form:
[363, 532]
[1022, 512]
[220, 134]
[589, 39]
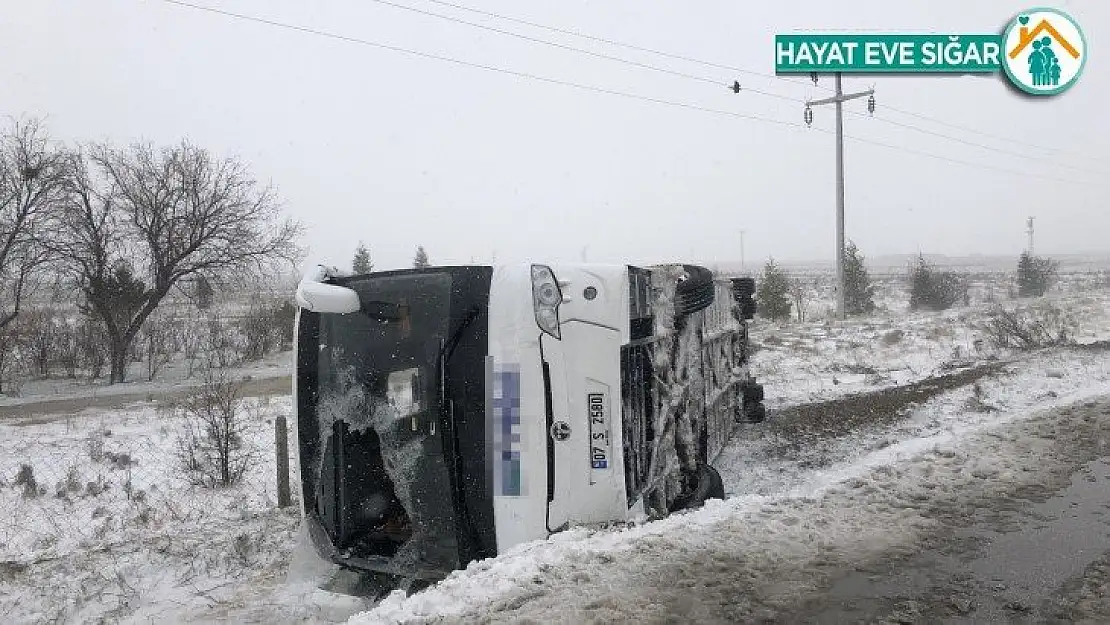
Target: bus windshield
[382, 486]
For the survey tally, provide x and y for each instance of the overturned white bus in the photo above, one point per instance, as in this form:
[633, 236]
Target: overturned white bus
[446, 414]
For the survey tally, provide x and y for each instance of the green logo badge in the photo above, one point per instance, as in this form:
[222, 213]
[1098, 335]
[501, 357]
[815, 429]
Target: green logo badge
[1045, 51]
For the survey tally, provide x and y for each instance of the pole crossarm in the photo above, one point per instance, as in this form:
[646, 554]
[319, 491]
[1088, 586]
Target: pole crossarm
[841, 98]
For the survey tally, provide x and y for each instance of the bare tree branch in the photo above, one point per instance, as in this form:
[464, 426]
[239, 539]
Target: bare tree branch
[32, 182]
[141, 220]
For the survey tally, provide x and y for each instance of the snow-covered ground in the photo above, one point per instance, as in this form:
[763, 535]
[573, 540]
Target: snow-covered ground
[821, 360]
[79, 552]
[754, 554]
[103, 522]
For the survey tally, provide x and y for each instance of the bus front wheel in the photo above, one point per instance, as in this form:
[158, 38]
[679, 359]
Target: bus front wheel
[709, 486]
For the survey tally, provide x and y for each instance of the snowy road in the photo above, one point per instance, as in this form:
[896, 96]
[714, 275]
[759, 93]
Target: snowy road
[976, 508]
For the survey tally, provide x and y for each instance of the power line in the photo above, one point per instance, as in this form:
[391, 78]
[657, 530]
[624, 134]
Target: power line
[686, 75]
[553, 44]
[987, 134]
[595, 89]
[615, 43]
[472, 64]
[741, 70]
[941, 135]
[957, 161]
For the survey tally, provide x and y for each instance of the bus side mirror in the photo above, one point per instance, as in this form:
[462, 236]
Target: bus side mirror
[327, 298]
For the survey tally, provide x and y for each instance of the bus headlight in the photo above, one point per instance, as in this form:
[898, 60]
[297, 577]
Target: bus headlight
[546, 298]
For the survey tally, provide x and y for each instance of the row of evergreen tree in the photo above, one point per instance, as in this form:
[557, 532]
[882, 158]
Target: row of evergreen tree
[361, 263]
[781, 296]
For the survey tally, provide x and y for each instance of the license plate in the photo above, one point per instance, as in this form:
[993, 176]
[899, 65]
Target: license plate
[600, 445]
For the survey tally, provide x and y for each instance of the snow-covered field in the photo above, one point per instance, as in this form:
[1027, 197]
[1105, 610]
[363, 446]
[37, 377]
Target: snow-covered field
[104, 537]
[101, 521]
[821, 360]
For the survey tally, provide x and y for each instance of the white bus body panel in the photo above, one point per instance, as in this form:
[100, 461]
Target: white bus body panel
[517, 425]
[589, 486]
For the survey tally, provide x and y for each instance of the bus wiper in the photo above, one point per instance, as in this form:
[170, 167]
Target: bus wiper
[448, 348]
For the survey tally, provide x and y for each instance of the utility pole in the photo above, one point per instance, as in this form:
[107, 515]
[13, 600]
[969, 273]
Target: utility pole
[743, 265]
[1030, 232]
[839, 99]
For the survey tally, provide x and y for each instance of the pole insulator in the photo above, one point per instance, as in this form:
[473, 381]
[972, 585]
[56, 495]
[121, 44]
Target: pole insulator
[736, 86]
[808, 115]
[871, 104]
[813, 77]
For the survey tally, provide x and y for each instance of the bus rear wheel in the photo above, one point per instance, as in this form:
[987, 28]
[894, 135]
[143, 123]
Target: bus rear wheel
[695, 292]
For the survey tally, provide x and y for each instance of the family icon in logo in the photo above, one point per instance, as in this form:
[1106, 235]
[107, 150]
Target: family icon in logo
[1044, 51]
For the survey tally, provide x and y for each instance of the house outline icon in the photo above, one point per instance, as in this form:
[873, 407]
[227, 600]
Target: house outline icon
[1026, 37]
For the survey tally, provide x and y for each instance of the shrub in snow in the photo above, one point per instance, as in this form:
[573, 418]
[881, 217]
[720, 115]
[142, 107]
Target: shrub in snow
[157, 340]
[44, 337]
[1029, 328]
[92, 344]
[70, 485]
[773, 293]
[361, 263]
[859, 294]
[221, 348]
[267, 328]
[935, 290]
[26, 479]
[420, 260]
[121, 460]
[1034, 275]
[893, 337]
[203, 293]
[96, 487]
[978, 402]
[96, 445]
[14, 352]
[213, 447]
[799, 293]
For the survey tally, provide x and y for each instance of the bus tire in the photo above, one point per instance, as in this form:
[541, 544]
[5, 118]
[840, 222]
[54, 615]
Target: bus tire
[716, 484]
[696, 292]
[748, 309]
[743, 288]
[753, 393]
[755, 412]
[709, 486]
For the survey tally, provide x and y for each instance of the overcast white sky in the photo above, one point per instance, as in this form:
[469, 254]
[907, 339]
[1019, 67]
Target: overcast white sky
[369, 144]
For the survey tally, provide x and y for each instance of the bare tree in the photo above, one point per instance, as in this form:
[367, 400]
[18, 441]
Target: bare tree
[800, 296]
[140, 220]
[32, 180]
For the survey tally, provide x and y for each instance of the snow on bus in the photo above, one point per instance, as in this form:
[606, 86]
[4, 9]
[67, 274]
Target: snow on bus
[446, 414]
